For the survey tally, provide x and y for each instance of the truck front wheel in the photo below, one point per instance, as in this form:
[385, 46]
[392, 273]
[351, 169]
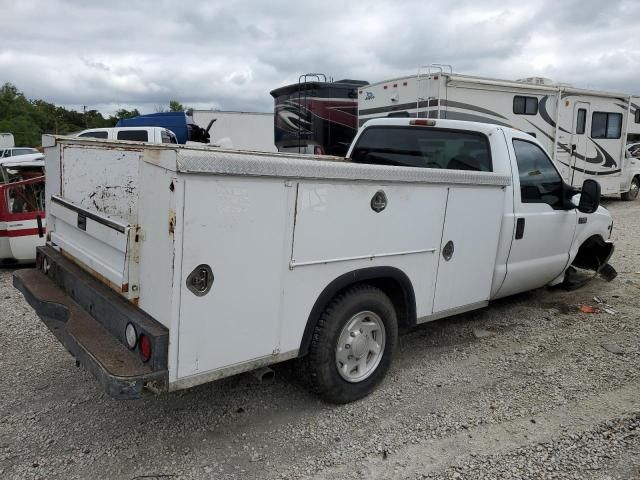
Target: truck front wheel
[352, 344]
[632, 194]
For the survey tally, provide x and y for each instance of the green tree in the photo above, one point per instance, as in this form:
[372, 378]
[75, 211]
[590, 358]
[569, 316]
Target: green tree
[176, 106]
[29, 119]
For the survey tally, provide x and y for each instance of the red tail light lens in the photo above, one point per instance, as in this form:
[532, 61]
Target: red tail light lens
[145, 347]
[423, 123]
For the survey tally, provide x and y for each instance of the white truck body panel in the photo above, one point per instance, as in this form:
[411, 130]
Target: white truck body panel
[277, 229]
[464, 97]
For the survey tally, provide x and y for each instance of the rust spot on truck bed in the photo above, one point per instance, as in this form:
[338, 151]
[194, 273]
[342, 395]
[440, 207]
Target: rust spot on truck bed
[172, 222]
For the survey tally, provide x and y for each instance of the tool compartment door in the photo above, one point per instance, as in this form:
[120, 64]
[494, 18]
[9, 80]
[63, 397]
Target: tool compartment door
[469, 246]
[237, 226]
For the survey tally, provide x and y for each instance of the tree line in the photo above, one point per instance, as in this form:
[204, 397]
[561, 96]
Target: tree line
[29, 119]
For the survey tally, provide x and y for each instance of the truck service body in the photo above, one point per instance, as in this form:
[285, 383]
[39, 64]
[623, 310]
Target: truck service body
[585, 131]
[168, 266]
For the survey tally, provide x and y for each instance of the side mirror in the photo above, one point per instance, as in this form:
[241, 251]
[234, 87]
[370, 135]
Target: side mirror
[589, 196]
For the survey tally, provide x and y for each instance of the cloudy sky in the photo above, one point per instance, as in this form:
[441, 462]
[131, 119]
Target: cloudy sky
[230, 54]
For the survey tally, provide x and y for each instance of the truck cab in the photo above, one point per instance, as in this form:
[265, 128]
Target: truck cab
[133, 134]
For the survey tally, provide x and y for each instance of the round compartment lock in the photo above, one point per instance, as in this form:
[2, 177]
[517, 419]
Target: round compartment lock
[379, 201]
[447, 251]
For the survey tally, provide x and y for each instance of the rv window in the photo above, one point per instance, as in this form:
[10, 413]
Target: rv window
[606, 125]
[94, 134]
[403, 114]
[525, 105]
[134, 135]
[540, 182]
[637, 115]
[581, 121]
[423, 147]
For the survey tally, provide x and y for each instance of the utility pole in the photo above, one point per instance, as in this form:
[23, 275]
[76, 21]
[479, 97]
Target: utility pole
[84, 111]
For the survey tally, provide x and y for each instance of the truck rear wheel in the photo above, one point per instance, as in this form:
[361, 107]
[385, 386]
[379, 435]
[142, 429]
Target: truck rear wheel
[632, 194]
[352, 344]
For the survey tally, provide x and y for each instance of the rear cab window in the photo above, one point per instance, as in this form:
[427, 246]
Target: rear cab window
[94, 135]
[133, 135]
[412, 146]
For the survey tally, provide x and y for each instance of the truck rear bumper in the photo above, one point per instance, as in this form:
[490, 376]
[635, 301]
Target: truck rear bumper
[120, 371]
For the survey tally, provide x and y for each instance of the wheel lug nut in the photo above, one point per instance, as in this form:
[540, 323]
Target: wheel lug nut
[353, 334]
[347, 346]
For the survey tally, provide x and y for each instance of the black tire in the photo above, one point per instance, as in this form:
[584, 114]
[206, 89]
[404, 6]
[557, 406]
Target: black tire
[632, 194]
[320, 364]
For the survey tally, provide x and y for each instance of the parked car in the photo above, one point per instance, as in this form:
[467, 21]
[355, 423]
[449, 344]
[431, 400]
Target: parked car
[15, 151]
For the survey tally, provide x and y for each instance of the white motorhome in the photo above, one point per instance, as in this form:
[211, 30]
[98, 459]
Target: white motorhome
[584, 130]
[167, 266]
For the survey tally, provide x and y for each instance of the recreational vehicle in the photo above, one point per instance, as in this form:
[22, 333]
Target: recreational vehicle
[585, 131]
[316, 115]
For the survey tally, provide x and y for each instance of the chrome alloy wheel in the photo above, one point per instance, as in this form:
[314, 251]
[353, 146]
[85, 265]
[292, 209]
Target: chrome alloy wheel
[360, 346]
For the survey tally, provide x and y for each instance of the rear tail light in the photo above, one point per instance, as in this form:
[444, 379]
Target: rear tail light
[145, 347]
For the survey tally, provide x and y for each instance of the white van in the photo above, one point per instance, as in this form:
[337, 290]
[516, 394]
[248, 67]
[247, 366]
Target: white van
[135, 134]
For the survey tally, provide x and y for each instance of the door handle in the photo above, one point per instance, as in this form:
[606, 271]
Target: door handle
[573, 147]
[519, 228]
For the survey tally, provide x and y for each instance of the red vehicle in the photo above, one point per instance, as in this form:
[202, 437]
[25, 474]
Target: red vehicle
[22, 219]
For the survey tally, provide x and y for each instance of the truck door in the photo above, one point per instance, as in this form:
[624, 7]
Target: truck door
[225, 225]
[578, 144]
[544, 233]
[468, 248]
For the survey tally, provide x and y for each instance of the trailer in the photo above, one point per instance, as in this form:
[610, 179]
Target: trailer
[6, 140]
[238, 130]
[585, 131]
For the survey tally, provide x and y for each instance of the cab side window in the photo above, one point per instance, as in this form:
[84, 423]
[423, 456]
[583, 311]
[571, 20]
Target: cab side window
[540, 182]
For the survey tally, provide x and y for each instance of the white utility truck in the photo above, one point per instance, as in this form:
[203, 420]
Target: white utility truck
[585, 131]
[168, 266]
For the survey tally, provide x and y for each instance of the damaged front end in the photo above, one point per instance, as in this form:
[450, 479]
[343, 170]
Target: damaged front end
[593, 256]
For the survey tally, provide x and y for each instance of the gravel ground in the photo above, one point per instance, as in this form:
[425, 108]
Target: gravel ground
[528, 388]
